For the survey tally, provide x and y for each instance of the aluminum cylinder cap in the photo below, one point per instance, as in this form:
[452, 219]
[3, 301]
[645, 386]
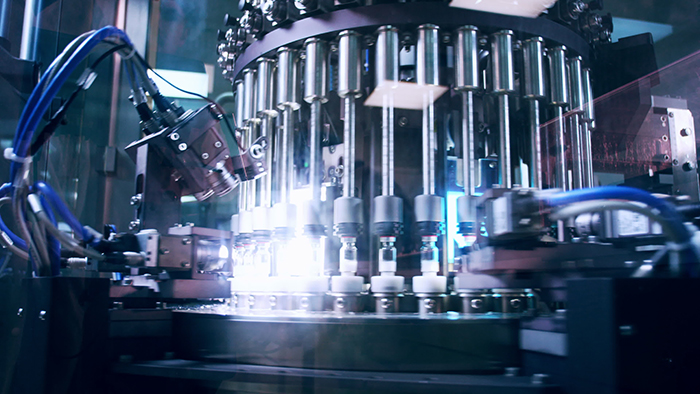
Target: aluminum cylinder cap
[316, 70]
[349, 63]
[467, 58]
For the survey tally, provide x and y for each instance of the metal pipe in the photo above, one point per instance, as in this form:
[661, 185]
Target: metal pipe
[5, 12]
[427, 73]
[466, 81]
[427, 55]
[266, 111]
[288, 102]
[387, 69]
[535, 146]
[286, 163]
[503, 84]
[315, 90]
[30, 29]
[349, 87]
[315, 150]
[349, 146]
[533, 51]
[576, 90]
[249, 110]
[588, 125]
[559, 96]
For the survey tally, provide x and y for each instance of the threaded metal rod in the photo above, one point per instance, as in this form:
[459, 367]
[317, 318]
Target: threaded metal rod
[535, 146]
[286, 164]
[315, 124]
[559, 141]
[504, 139]
[349, 146]
[468, 153]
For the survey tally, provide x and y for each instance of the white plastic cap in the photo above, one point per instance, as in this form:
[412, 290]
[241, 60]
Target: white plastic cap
[347, 284]
[387, 284]
[429, 284]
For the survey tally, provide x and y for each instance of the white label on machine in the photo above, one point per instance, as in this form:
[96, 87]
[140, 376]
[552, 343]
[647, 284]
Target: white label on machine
[631, 223]
[500, 216]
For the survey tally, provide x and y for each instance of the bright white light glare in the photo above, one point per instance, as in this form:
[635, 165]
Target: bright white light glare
[299, 196]
[452, 235]
[186, 80]
[629, 27]
[187, 199]
[406, 95]
[223, 252]
[526, 8]
[646, 267]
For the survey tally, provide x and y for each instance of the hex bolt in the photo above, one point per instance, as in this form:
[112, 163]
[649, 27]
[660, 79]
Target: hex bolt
[515, 303]
[205, 156]
[182, 147]
[476, 303]
[304, 303]
[403, 121]
[386, 303]
[675, 162]
[218, 144]
[174, 136]
[340, 303]
[136, 199]
[429, 303]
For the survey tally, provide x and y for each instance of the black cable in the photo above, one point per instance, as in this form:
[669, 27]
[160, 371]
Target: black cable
[228, 124]
[60, 114]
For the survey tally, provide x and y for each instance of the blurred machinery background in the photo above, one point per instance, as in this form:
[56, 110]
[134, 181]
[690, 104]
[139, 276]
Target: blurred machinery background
[349, 196]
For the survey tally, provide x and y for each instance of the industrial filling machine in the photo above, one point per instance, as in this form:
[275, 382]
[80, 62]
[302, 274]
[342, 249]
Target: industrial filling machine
[465, 196]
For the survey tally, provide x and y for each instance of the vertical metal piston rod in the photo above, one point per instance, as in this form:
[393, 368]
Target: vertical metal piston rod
[349, 78]
[266, 111]
[287, 101]
[559, 99]
[466, 82]
[427, 73]
[533, 51]
[251, 121]
[502, 85]
[387, 70]
[588, 126]
[576, 86]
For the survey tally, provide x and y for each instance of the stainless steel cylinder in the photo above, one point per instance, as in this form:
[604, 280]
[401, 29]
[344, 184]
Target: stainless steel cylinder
[429, 144]
[388, 145]
[427, 55]
[240, 99]
[533, 51]
[287, 78]
[316, 70]
[576, 84]
[558, 85]
[502, 62]
[467, 58]
[265, 92]
[249, 111]
[349, 63]
[387, 55]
